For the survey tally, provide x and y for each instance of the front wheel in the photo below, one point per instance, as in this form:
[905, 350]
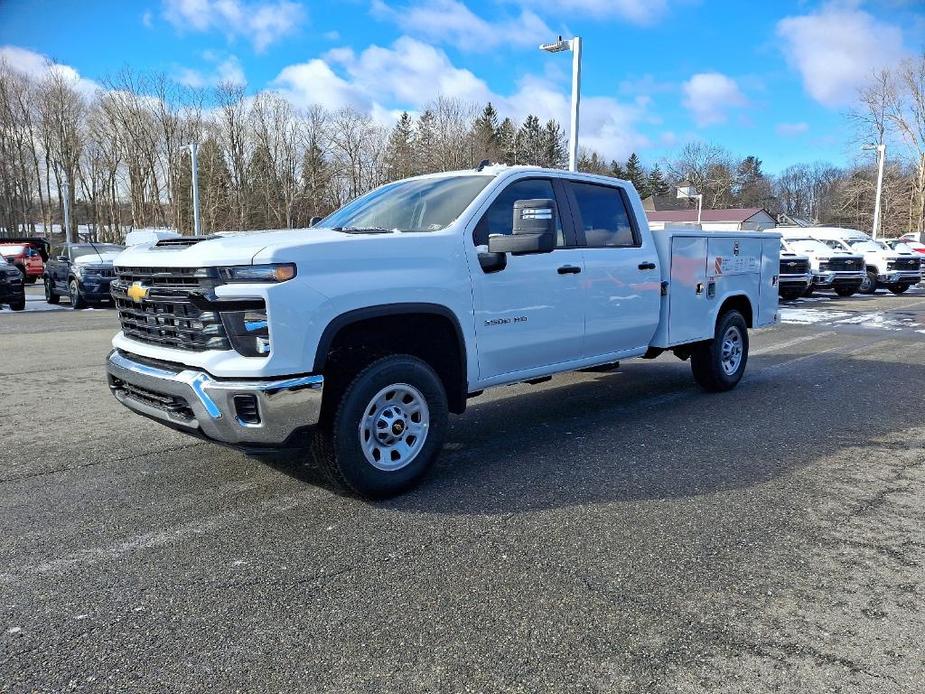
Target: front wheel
[50, 295]
[77, 299]
[869, 284]
[388, 428]
[899, 288]
[808, 291]
[718, 364]
[19, 305]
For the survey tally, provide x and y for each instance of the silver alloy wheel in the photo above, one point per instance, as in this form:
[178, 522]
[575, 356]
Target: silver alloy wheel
[731, 350]
[394, 427]
[865, 283]
[73, 292]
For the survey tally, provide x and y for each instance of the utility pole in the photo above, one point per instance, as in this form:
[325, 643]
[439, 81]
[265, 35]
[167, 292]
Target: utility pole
[194, 165]
[881, 155]
[66, 205]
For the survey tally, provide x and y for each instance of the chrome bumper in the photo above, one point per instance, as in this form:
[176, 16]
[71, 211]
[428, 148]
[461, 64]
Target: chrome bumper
[194, 401]
[900, 276]
[827, 278]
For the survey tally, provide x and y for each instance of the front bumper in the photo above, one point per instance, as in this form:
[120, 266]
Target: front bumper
[193, 401]
[94, 289]
[829, 279]
[900, 277]
[795, 281]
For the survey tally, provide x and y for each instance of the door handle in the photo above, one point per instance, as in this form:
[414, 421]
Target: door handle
[647, 266]
[569, 270]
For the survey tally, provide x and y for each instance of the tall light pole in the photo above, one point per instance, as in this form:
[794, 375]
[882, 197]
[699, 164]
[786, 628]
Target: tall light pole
[194, 165]
[881, 156]
[573, 45]
[66, 204]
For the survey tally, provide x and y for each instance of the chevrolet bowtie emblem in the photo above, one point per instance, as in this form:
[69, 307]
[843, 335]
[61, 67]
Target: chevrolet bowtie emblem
[137, 292]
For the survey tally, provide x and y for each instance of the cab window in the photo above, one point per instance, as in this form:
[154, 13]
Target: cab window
[604, 219]
[499, 217]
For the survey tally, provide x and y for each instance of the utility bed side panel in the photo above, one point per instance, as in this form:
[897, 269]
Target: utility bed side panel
[687, 297]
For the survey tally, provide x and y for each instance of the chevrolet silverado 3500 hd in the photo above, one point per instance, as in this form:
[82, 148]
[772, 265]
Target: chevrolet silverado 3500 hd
[367, 329]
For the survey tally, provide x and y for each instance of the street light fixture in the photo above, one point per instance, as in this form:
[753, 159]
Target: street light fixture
[881, 156]
[573, 45]
[194, 165]
[690, 193]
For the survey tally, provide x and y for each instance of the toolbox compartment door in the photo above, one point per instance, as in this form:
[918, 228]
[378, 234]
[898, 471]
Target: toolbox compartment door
[688, 309]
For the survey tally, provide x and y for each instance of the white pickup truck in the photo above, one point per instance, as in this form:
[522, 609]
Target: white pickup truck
[367, 329]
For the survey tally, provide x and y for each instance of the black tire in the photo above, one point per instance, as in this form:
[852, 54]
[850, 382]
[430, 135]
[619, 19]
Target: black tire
[845, 292]
[898, 289]
[50, 295]
[808, 291]
[339, 447]
[869, 286]
[707, 362]
[791, 294]
[77, 299]
[19, 305]
[30, 279]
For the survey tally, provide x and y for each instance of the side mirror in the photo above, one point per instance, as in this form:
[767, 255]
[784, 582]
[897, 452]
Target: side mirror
[313, 221]
[533, 231]
[61, 258]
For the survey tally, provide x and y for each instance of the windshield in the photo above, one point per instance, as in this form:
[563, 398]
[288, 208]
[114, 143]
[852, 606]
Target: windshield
[809, 246]
[12, 250]
[426, 204]
[865, 246]
[903, 248]
[94, 249]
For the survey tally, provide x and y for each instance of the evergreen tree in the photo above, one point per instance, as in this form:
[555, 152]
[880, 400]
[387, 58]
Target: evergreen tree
[656, 183]
[316, 182]
[507, 142]
[530, 141]
[554, 155]
[636, 175]
[486, 135]
[592, 163]
[751, 187]
[425, 144]
[616, 170]
[399, 153]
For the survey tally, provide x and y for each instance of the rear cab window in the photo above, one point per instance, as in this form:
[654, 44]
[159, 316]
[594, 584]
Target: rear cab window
[603, 216]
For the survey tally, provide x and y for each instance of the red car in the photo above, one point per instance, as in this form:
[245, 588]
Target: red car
[28, 255]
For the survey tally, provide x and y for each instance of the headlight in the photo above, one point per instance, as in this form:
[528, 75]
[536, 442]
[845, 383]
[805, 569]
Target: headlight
[276, 272]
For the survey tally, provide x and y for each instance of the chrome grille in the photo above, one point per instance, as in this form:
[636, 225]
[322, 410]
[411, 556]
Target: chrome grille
[792, 266]
[905, 264]
[837, 264]
[167, 316]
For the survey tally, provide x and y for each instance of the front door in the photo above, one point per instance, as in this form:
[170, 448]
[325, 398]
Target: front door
[621, 277]
[529, 315]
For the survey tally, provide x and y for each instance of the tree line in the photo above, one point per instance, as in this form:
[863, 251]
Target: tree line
[119, 155]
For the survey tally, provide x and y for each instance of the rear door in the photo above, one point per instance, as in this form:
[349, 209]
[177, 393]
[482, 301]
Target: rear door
[530, 315]
[621, 277]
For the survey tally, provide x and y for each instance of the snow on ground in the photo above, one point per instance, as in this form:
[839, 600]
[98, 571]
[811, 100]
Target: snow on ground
[878, 320]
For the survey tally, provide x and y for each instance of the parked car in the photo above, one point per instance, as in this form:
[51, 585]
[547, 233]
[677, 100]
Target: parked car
[80, 271]
[12, 289]
[839, 270]
[899, 244]
[893, 270]
[374, 324]
[27, 254]
[796, 275]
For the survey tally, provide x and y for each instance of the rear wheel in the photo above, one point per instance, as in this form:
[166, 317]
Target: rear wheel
[389, 426]
[869, 284]
[718, 364]
[77, 299]
[50, 296]
[899, 288]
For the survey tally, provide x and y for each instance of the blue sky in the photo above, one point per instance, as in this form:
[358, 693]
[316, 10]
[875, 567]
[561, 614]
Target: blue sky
[771, 78]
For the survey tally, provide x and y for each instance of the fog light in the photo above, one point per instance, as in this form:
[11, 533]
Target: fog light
[246, 410]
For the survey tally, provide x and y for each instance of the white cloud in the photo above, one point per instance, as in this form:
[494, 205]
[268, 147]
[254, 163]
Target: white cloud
[709, 96]
[226, 71]
[147, 19]
[791, 129]
[406, 75]
[262, 22]
[38, 66]
[450, 21]
[836, 50]
[641, 12]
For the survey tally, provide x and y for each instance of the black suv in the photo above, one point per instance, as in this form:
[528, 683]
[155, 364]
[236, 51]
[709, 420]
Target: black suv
[80, 271]
[12, 290]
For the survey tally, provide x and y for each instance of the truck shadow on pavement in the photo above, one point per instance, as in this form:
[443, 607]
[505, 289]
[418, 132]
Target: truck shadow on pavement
[647, 432]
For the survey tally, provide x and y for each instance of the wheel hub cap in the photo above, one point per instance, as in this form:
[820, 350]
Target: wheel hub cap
[394, 427]
[731, 351]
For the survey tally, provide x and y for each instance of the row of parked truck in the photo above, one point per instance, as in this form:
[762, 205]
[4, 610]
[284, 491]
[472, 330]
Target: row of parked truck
[845, 261]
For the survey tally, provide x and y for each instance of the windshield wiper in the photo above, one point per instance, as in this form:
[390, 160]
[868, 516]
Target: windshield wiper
[364, 230]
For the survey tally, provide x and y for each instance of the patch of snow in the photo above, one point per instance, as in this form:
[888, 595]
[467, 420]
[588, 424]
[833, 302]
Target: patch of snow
[809, 316]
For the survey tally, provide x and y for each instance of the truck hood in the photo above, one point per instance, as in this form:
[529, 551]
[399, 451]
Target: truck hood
[97, 259]
[232, 249]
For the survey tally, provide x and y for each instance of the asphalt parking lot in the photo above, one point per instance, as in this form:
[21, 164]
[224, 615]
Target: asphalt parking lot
[597, 533]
